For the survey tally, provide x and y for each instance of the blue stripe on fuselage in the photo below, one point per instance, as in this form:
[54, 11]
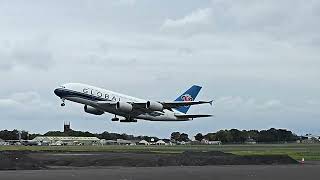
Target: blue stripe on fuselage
[63, 93]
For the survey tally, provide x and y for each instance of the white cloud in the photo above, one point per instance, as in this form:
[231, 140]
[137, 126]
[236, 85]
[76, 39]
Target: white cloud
[271, 104]
[127, 2]
[26, 53]
[7, 103]
[313, 102]
[22, 100]
[26, 97]
[288, 20]
[233, 103]
[30, 105]
[197, 17]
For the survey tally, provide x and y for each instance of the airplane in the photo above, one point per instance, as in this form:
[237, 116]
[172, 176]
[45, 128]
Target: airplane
[97, 101]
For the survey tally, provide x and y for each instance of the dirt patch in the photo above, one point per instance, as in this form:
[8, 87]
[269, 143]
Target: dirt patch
[16, 160]
[19, 160]
[221, 158]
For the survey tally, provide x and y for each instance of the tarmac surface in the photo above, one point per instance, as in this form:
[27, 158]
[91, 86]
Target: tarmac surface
[226, 172]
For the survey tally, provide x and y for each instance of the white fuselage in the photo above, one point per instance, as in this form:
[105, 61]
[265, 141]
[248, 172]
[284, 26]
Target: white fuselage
[90, 96]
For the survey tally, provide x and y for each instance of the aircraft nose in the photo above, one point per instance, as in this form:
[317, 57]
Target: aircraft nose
[58, 92]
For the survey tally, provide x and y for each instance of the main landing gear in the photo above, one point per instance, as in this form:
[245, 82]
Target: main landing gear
[62, 104]
[115, 118]
[128, 119]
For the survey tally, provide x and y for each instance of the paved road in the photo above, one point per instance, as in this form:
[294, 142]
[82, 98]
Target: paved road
[248, 172]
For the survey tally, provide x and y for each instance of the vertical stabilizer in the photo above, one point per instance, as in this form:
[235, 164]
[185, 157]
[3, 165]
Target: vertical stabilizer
[189, 95]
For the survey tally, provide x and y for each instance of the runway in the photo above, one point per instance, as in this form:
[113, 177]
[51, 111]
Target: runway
[248, 172]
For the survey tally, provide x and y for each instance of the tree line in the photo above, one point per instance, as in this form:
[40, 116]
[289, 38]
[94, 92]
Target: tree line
[237, 136]
[225, 136]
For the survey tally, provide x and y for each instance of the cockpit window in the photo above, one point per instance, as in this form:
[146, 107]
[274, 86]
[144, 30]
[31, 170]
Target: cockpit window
[62, 86]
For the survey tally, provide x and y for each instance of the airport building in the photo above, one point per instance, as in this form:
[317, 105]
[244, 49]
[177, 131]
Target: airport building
[108, 142]
[144, 142]
[116, 142]
[66, 140]
[3, 143]
[160, 143]
[125, 142]
[207, 142]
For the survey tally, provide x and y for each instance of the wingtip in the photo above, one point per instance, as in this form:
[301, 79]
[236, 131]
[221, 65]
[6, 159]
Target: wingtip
[211, 102]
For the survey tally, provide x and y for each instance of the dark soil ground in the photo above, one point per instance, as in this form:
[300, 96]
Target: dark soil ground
[26, 160]
[246, 172]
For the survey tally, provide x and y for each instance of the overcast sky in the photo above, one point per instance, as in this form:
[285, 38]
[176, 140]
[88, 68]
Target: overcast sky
[259, 61]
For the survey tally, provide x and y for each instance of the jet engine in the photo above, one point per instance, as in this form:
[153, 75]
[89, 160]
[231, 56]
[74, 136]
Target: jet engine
[92, 110]
[124, 107]
[155, 106]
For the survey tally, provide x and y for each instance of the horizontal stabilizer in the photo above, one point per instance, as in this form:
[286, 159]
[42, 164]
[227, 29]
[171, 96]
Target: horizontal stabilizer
[178, 104]
[192, 115]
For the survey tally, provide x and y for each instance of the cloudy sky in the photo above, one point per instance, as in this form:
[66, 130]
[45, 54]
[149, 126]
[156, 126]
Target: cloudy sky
[259, 61]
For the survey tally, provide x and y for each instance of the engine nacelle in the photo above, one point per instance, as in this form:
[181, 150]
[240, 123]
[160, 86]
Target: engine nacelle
[124, 107]
[155, 106]
[92, 110]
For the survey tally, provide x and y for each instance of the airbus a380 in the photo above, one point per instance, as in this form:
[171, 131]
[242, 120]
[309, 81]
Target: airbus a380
[97, 101]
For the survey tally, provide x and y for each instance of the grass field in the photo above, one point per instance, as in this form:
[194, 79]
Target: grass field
[296, 151]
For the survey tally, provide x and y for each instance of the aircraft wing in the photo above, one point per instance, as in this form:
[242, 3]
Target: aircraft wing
[108, 104]
[105, 104]
[166, 105]
[171, 105]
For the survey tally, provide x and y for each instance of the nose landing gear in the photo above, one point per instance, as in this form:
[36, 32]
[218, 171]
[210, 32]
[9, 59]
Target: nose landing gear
[62, 104]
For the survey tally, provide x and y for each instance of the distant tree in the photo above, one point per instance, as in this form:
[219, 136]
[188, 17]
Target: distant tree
[175, 136]
[70, 133]
[199, 137]
[32, 136]
[126, 137]
[237, 136]
[184, 137]
[115, 136]
[13, 135]
[211, 137]
[276, 135]
[285, 135]
[224, 136]
[54, 133]
[104, 135]
[253, 134]
[268, 135]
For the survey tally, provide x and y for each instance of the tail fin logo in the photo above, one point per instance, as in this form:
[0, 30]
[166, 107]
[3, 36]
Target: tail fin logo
[186, 97]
